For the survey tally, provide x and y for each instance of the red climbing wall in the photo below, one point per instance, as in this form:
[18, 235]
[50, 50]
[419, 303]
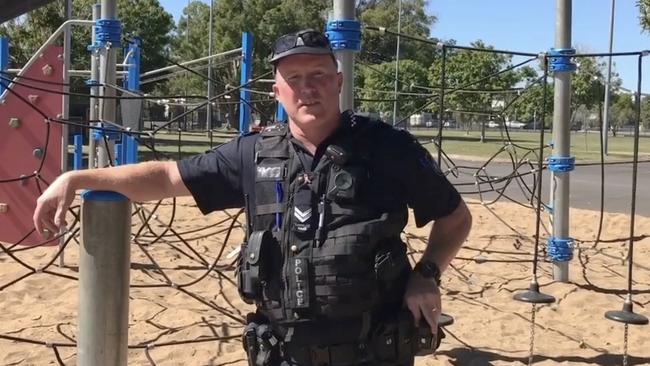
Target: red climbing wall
[26, 142]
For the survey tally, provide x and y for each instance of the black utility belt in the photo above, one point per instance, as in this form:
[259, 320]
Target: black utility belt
[387, 343]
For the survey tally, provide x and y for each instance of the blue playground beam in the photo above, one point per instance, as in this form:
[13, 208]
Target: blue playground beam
[131, 156]
[132, 80]
[128, 148]
[77, 162]
[280, 113]
[246, 73]
[4, 59]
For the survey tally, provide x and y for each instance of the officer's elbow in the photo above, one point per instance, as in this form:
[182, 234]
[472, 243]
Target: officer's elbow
[461, 217]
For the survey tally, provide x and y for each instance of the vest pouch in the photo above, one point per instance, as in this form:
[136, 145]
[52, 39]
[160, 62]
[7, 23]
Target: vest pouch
[390, 264]
[344, 280]
[256, 258]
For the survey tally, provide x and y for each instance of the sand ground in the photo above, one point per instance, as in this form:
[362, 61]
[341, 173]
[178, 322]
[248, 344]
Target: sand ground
[180, 325]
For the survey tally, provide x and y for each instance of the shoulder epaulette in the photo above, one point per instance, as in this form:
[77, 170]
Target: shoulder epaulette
[276, 129]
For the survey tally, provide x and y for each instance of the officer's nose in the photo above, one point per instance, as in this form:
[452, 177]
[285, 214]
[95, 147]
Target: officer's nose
[309, 87]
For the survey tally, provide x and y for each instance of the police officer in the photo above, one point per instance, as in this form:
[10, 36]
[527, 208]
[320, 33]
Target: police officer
[326, 196]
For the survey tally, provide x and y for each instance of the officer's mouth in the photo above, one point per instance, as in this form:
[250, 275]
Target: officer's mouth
[308, 105]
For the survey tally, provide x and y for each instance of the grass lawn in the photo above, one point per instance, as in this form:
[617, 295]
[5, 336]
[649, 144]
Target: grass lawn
[191, 143]
[584, 146]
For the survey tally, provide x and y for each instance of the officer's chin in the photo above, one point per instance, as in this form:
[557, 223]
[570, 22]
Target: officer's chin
[308, 117]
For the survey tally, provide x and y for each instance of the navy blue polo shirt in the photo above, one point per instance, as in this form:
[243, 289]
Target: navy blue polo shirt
[219, 178]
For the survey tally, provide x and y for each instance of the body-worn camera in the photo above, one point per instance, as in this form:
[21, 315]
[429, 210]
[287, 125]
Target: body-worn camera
[346, 178]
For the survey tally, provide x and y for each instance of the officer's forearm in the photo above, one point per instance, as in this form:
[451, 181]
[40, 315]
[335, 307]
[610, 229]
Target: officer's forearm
[139, 182]
[447, 236]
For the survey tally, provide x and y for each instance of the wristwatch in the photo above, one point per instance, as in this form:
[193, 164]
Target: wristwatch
[428, 269]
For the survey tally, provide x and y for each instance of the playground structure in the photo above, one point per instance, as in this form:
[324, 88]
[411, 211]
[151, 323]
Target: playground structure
[118, 144]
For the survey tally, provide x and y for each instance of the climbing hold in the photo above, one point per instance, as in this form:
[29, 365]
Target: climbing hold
[47, 70]
[38, 153]
[14, 122]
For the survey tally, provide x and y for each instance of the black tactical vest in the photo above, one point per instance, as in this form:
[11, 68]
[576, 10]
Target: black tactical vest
[330, 250]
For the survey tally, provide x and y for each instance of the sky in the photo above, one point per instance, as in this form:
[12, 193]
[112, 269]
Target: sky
[529, 26]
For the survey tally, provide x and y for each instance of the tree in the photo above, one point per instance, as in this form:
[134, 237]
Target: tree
[530, 106]
[645, 112]
[587, 84]
[378, 48]
[470, 69]
[266, 20]
[143, 18]
[622, 111]
[588, 87]
[379, 86]
[149, 21]
[189, 43]
[644, 14]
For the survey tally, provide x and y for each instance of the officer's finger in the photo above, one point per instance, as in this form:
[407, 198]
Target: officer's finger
[414, 308]
[431, 316]
[37, 224]
[48, 230]
[44, 224]
[49, 227]
[38, 212]
[59, 217]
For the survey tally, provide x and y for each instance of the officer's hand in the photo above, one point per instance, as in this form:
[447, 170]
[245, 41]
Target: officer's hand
[423, 300]
[52, 205]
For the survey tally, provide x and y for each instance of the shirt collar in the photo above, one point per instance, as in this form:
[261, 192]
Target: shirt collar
[345, 125]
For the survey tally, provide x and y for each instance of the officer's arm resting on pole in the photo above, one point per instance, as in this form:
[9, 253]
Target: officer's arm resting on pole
[139, 182]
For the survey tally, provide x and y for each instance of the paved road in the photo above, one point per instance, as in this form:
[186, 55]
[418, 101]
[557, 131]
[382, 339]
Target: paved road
[585, 185]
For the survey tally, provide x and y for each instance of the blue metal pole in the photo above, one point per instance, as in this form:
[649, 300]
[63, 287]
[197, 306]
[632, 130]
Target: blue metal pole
[280, 113]
[4, 59]
[344, 33]
[132, 80]
[246, 73]
[131, 150]
[77, 163]
[132, 83]
[119, 154]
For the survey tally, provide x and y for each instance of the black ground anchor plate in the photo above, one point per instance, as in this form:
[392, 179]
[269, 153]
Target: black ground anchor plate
[626, 315]
[445, 320]
[533, 296]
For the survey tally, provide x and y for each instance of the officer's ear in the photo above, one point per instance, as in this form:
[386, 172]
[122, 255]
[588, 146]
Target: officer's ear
[276, 91]
[339, 74]
[339, 81]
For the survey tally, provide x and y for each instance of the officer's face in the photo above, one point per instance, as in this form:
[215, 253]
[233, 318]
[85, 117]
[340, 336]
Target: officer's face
[308, 87]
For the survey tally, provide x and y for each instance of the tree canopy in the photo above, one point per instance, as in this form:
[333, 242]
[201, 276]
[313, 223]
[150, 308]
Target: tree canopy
[644, 14]
[143, 18]
[420, 62]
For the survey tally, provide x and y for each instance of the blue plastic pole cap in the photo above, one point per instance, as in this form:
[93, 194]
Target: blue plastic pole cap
[105, 196]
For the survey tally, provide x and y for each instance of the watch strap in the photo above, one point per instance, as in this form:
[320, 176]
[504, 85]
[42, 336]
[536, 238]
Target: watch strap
[428, 269]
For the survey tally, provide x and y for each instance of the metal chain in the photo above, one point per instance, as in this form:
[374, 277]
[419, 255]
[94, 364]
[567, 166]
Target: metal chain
[625, 333]
[532, 334]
